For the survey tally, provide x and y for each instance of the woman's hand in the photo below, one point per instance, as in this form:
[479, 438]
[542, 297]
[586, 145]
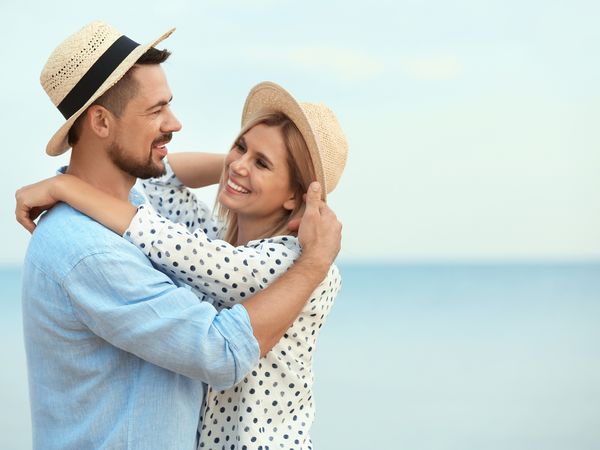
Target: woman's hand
[34, 199]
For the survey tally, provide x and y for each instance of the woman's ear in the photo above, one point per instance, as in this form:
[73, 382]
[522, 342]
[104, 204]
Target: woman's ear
[99, 122]
[290, 203]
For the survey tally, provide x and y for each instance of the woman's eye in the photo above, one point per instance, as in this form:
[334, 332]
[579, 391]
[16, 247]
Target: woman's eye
[239, 147]
[262, 164]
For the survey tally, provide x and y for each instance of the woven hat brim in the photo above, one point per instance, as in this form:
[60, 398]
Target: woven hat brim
[270, 97]
[58, 142]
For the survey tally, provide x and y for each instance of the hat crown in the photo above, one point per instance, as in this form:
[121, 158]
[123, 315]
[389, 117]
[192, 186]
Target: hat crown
[73, 58]
[331, 142]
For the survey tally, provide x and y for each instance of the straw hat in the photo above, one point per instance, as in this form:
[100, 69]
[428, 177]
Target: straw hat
[82, 68]
[317, 124]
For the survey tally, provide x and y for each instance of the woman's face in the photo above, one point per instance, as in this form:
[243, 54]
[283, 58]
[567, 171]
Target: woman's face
[257, 179]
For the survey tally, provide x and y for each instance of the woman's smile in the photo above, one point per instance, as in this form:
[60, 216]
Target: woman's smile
[236, 188]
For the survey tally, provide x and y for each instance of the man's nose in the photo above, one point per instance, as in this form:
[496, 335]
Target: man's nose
[171, 124]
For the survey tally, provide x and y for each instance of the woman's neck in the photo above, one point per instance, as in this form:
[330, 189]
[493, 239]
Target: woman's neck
[250, 229]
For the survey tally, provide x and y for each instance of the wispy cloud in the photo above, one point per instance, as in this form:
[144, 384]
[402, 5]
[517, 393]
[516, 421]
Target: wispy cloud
[342, 63]
[439, 67]
[348, 64]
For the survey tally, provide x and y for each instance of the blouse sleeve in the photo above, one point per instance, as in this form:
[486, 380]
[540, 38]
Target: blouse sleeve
[211, 267]
[173, 200]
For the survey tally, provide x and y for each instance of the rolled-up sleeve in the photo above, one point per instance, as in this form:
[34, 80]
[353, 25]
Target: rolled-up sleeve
[125, 301]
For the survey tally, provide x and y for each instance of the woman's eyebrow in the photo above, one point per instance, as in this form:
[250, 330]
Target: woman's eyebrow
[263, 156]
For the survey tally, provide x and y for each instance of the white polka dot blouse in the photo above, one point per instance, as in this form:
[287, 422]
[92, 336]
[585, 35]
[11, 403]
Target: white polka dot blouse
[273, 406]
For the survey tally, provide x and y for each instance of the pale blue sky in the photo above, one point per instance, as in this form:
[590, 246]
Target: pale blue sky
[471, 123]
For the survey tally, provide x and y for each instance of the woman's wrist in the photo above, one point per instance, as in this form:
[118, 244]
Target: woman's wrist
[59, 187]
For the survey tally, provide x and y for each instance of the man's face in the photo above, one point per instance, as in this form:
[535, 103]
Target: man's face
[145, 126]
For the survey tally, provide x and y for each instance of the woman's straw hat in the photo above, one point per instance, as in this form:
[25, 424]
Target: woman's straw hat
[82, 68]
[317, 123]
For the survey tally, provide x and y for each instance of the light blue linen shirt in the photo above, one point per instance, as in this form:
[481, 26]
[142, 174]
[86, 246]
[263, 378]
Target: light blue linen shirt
[117, 353]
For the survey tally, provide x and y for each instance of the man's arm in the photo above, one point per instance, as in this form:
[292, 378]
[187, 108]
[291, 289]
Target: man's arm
[120, 297]
[273, 310]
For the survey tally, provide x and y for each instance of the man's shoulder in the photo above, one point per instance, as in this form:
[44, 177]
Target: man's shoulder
[64, 223]
[64, 236]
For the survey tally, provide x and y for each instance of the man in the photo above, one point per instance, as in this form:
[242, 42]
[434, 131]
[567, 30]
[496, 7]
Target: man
[117, 354]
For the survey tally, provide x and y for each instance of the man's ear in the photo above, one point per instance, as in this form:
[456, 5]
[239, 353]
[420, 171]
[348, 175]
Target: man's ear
[99, 120]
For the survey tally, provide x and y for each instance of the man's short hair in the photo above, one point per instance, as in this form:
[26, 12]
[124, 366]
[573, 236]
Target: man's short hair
[117, 97]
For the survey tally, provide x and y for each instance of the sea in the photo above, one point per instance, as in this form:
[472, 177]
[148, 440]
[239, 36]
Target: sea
[416, 356]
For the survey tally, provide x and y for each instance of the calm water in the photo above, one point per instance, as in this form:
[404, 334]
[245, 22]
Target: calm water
[428, 357]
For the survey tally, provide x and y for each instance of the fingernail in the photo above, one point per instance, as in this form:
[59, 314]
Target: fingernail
[315, 187]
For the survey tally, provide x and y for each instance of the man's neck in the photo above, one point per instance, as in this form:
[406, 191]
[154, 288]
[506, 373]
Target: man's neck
[97, 169]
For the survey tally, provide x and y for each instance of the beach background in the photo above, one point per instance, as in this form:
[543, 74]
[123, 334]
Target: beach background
[428, 357]
[468, 317]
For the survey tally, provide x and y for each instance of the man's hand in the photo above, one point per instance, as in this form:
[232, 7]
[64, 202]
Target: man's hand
[274, 309]
[319, 233]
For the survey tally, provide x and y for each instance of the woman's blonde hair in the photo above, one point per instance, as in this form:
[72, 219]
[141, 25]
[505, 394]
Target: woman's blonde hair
[300, 166]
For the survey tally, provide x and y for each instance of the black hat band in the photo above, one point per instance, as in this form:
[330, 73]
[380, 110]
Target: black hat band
[96, 75]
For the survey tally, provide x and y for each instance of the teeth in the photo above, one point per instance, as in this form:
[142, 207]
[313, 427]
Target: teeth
[236, 187]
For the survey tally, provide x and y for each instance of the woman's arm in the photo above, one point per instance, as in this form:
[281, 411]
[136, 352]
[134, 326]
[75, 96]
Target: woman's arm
[197, 169]
[34, 199]
[211, 267]
[169, 196]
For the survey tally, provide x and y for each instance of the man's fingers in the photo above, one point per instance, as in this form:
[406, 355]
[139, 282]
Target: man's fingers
[294, 224]
[313, 197]
[326, 210]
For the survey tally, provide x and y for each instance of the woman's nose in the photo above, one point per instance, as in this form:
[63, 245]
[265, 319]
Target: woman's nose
[240, 166]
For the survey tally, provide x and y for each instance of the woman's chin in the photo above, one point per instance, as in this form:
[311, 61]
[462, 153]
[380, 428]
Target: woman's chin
[226, 202]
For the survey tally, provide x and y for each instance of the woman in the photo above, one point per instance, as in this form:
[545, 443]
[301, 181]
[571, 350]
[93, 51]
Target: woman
[283, 146]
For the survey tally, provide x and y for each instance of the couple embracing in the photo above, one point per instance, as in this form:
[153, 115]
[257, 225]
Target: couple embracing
[152, 322]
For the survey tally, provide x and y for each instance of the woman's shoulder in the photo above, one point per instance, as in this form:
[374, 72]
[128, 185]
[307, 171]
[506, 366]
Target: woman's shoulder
[285, 245]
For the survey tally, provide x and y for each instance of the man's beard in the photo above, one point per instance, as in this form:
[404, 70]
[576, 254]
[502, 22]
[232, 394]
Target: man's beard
[143, 170]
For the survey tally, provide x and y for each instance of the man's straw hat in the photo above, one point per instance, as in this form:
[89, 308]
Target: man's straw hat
[317, 124]
[82, 68]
